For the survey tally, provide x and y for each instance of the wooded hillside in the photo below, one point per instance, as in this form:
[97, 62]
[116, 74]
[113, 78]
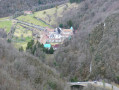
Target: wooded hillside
[21, 71]
[8, 7]
[93, 51]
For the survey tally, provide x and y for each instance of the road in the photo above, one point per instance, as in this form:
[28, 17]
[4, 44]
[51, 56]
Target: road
[31, 25]
[43, 21]
[95, 83]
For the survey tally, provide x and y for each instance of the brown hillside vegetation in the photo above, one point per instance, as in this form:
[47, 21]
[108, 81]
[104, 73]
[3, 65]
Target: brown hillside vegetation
[8, 7]
[97, 50]
[89, 13]
[92, 53]
[20, 71]
[90, 87]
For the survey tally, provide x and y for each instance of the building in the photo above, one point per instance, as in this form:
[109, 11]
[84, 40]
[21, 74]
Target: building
[43, 38]
[56, 46]
[54, 37]
[28, 12]
[48, 46]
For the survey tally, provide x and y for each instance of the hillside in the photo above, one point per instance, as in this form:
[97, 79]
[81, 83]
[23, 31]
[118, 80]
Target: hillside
[92, 53]
[21, 71]
[8, 7]
[88, 14]
[50, 15]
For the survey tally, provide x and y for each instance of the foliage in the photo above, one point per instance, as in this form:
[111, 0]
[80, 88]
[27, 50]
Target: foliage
[21, 36]
[3, 33]
[76, 1]
[30, 44]
[39, 1]
[52, 85]
[6, 25]
[38, 49]
[61, 25]
[8, 8]
[52, 13]
[91, 55]
[74, 79]
[9, 41]
[118, 79]
[69, 23]
[30, 72]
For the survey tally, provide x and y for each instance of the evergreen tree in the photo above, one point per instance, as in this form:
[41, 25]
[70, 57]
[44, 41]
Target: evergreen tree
[61, 25]
[39, 2]
[76, 1]
[30, 44]
[9, 41]
[69, 23]
[51, 50]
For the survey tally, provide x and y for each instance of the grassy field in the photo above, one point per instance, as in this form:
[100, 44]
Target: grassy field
[31, 19]
[6, 24]
[4, 18]
[21, 37]
[50, 15]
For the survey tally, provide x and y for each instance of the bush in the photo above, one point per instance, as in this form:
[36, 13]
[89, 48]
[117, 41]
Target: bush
[61, 25]
[118, 79]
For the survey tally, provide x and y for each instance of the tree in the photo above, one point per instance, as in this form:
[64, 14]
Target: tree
[51, 50]
[30, 44]
[76, 1]
[9, 41]
[61, 25]
[44, 12]
[39, 2]
[69, 23]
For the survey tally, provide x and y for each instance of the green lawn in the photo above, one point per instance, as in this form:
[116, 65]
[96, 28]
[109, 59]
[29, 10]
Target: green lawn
[31, 19]
[4, 18]
[54, 13]
[6, 25]
[21, 37]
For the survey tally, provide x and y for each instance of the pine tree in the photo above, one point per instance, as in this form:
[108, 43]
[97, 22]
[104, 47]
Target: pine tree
[51, 50]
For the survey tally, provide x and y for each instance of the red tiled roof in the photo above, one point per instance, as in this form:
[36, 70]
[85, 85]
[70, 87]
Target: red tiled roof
[43, 39]
[53, 39]
[27, 11]
[56, 45]
[50, 30]
[67, 30]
